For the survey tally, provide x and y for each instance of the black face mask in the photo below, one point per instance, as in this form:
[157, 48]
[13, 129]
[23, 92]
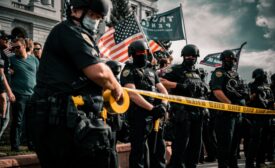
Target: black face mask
[140, 60]
[228, 65]
[261, 79]
[190, 62]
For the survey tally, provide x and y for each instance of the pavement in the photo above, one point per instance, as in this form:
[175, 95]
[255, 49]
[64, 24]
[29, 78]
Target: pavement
[31, 161]
[241, 164]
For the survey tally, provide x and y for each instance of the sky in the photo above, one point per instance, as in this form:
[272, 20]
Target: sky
[217, 25]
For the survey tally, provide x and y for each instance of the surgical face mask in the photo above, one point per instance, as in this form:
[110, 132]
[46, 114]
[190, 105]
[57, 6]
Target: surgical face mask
[228, 65]
[90, 24]
[140, 60]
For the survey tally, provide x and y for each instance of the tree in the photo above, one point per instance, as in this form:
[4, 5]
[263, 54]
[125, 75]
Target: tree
[121, 9]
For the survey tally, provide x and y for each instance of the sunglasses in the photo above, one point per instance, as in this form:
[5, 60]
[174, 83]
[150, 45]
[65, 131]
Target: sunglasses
[15, 47]
[4, 38]
[142, 52]
[36, 49]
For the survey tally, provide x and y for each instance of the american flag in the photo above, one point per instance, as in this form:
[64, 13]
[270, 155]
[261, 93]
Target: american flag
[114, 43]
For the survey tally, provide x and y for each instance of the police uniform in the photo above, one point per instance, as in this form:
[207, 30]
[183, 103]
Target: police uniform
[141, 120]
[60, 132]
[188, 119]
[226, 125]
[259, 125]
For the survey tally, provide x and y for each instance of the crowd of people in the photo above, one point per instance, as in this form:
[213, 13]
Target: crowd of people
[40, 87]
[19, 64]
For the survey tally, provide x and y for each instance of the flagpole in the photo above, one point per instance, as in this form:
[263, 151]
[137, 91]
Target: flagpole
[181, 13]
[146, 40]
[239, 54]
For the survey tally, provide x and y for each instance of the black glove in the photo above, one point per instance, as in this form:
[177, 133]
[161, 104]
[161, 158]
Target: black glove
[159, 111]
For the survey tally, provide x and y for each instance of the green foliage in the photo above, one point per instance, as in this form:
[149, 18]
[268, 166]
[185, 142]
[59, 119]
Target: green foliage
[121, 9]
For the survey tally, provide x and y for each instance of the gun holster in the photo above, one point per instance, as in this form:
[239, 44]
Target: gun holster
[57, 110]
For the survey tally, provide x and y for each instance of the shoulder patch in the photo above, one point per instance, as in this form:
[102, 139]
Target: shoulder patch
[125, 73]
[87, 39]
[168, 70]
[218, 74]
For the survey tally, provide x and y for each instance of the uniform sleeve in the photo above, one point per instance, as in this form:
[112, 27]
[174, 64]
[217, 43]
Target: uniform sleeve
[79, 48]
[126, 77]
[170, 75]
[217, 80]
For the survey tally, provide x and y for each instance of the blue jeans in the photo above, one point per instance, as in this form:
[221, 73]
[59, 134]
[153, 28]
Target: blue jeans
[5, 121]
[18, 120]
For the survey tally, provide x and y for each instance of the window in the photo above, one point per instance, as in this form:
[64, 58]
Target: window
[134, 8]
[148, 13]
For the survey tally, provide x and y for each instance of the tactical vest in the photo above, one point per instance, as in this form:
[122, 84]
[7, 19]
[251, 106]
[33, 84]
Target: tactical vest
[195, 89]
[144, 79]
[264, 97]
[233, 87]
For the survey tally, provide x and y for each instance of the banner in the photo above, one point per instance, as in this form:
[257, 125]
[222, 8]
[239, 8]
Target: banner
[213, 60]
[164, 26]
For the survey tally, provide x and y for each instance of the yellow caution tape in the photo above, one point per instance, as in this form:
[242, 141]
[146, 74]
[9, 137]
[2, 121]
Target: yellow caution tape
[118, 107]
[112, 106]
[78, 100]
[203, 103]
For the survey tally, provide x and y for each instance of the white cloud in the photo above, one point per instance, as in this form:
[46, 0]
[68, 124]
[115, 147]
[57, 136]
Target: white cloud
[205, 29]
[263, 59]
[211, 32]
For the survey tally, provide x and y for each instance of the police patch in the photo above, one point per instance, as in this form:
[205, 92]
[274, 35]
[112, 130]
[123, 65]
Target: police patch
[87, 39]
[168, 70]
[219, 74]
[126, 73]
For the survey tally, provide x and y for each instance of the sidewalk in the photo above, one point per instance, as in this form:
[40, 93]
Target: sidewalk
[31, 161]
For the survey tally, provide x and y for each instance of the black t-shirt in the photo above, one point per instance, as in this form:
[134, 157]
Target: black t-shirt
[6, 63]
[68, 50]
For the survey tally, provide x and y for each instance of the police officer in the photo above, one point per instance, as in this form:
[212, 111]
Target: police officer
[226, 87]
[185, 80]
[64, 136]
[143, 112]
[261, 97]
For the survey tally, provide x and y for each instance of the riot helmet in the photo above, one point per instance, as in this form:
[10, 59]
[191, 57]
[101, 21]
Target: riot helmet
[98, 6]
[114, 66]
[190, 53]
[93, 11]
[228, 59]
[259, 75]
[190, 49]
[139, 51]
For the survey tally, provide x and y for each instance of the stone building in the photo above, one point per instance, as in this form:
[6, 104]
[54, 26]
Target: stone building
[30, 18]
[35, 18]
